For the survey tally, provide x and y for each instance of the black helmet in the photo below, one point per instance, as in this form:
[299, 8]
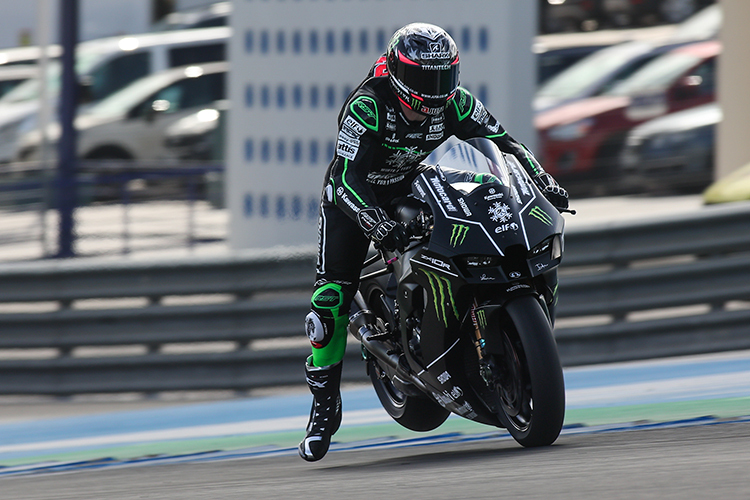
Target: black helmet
[423, 67]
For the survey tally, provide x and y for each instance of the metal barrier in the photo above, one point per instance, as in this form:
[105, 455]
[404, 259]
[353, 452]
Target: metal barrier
[627, 291]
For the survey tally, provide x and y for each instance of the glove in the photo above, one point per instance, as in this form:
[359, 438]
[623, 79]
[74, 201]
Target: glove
[551, 190]
[384, 232]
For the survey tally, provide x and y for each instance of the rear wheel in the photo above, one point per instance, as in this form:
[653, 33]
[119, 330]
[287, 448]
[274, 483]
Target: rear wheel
[529, 385]
[412, 410]
[415, 412]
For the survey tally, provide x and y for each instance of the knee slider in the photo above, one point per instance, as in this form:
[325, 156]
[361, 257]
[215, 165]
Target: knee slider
[326, 314]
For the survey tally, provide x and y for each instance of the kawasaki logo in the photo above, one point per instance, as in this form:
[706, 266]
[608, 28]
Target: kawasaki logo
[541, 215]
[458, 235]
[442, 295]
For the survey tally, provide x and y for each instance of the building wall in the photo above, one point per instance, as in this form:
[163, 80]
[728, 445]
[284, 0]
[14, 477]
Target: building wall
[295, 61]
[19, 22]
[733, 149]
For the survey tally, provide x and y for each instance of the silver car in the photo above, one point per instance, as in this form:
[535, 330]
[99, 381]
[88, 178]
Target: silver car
[131, 123]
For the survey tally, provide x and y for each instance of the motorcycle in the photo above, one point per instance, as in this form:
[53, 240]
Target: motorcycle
[459, 321]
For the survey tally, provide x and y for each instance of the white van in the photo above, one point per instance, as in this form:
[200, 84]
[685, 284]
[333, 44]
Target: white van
[106, 65]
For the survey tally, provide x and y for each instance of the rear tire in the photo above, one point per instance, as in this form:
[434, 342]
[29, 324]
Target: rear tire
[530, 388]
[416, 413]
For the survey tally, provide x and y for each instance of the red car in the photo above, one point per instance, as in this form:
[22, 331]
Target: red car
[580, 142]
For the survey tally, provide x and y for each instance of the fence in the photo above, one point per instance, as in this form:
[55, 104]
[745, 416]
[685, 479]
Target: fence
[112, 196]
[627, 291]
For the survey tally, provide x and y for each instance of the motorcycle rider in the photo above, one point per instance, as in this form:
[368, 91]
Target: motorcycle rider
[408, 105]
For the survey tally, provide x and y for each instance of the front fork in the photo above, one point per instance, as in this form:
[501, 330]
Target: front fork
[485, 362]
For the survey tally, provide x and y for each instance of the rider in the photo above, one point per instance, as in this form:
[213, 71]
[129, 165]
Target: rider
[409, 104]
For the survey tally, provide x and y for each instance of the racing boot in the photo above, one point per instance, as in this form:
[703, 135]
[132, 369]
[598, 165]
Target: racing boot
[325, 414]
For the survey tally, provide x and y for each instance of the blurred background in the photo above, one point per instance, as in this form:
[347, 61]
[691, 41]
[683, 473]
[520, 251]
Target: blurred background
[623, 100]
[161, 163]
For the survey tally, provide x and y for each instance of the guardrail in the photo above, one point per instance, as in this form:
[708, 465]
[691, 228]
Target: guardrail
[627, 291]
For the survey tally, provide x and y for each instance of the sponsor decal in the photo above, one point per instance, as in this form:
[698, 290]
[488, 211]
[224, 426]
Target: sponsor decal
[442, 296]
[443, 195]
[420, 190]
[541, 266]
[436, 55]
[414, 135]
[541, 215]
[354, 126]
[435, 137]
[466, 411]
[506, 227]
[484, 277]
[437, 128]
[520, 180]
[345, 198]
[517, 287]
[437, 262]
[392, 139]
[348, 139]
[479, 112]
[458, 235]
[464, 207]
[497, 196]
[390, 126]
[437, 119]
[444, 377]
[405, 156]
[494, 127]
[514, 274]
[346, 150]
[482, 318]
[500, 212]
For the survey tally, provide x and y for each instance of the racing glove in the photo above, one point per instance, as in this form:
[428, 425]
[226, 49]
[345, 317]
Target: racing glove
[551, 190]
[384, 232]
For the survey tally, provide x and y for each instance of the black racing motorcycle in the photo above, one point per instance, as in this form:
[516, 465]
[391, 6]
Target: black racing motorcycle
[459, 321]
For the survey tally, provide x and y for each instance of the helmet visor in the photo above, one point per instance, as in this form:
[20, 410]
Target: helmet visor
[429, 83]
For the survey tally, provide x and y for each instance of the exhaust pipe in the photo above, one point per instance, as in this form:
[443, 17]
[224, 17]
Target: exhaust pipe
[360, 327]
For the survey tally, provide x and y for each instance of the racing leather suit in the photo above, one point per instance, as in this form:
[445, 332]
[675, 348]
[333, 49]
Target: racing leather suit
[378, 154]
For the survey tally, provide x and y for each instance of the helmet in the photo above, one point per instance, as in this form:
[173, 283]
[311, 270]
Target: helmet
[422, 64]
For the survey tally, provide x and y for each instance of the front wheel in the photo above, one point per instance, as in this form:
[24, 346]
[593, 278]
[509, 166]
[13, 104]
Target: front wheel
[529, 385]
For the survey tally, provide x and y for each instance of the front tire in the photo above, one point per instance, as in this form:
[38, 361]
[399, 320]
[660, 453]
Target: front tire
[529, 385]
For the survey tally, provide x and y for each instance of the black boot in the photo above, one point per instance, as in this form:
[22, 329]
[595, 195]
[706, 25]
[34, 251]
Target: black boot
[325, 414]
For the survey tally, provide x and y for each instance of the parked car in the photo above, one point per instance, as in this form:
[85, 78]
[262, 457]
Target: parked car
[105, 66]
[14, 75]
[598, 72]
[567, 15]
[580, 142]
[199, 136]
[131, 124]
[649, 12]
[207, 16]
[595, 74]
[673, 152]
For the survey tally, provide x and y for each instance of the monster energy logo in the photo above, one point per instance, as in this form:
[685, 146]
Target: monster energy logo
[442, 295]
[541, 215]
[458, 235]
[482, 319]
